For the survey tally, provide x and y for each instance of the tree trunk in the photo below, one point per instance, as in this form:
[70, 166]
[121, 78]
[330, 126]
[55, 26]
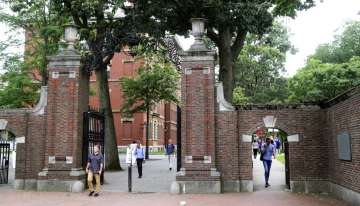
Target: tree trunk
[111, 151]
[147, 134]
[226, 75]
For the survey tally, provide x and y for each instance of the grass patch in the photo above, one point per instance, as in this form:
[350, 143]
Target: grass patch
[281, 158]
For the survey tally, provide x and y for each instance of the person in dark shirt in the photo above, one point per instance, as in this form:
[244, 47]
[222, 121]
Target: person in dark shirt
[140, 158]
[170, 148]
[94, 167]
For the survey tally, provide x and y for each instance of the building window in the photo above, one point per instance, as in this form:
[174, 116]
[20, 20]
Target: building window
[155, 130]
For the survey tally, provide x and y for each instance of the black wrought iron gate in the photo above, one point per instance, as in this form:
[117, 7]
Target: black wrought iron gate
[287, 166]
[94, 134]
[4, 161]
[178, 138]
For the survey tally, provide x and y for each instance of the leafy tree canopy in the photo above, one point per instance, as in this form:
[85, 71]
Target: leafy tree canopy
[157, 81]
[318, 81]
[17, 89]
[343, 48]
[43, 27]
[228, 23]
[260, 64]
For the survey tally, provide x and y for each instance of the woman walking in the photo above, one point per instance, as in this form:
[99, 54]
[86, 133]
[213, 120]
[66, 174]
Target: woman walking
[140, 155]
[268, 151]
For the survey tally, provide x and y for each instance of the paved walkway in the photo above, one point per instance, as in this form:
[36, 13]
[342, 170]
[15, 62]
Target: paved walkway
[268, 198]
[152, 190]
[156, 176]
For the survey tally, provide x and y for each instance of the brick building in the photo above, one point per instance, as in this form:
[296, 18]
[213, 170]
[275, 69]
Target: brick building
[162, 118]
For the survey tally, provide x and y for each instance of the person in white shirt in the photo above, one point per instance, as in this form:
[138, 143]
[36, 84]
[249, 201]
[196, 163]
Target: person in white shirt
[132, 147]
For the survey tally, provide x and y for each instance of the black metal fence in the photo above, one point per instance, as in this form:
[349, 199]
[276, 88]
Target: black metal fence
[93, 134]
[287, 166]
[4, 161]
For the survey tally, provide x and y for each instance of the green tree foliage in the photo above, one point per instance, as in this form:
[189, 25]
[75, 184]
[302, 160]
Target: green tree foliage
[318, 81]
[343, 48]
[239, 96]
[17, 89]
[260, 63]
[157, 81]
[228, 23]
[43, 28]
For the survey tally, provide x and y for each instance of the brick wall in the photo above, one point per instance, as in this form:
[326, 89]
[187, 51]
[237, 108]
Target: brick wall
[30, 155]
[308, 161]
[344, 116]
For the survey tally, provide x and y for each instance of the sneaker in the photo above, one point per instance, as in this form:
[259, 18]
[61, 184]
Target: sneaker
[96, 194]
[91, 193]
[170, 168]
[267, 185]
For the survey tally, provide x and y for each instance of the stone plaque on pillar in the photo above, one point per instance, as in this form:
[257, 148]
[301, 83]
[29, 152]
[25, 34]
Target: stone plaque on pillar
[198, 117]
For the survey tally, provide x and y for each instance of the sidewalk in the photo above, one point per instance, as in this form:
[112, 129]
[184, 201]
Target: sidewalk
[156, 176]
[152, 190]
[270, 198]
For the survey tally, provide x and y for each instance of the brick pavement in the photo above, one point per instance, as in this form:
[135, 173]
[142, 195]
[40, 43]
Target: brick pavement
[145, 193]
[268, 198]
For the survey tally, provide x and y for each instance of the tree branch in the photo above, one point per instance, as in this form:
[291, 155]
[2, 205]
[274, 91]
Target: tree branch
[213, 36]
[238, 44]
[74, 14]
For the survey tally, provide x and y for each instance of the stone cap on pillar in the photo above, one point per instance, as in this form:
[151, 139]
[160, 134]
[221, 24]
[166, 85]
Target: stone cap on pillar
[69, 56]
[198, 30]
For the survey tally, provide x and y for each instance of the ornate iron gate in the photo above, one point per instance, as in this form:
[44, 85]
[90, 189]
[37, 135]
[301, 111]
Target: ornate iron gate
[287, 166]
[4, 161]
[178, 138]
[94, 134]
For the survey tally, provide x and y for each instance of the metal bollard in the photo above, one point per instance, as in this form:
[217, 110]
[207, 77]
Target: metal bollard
[129, 178]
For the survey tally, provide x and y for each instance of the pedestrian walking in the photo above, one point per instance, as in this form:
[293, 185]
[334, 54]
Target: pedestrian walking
[132, 147]
[140, 155]
[268, 151]
[170, 148]
[94, 168]
[255, 147]
[277, 145]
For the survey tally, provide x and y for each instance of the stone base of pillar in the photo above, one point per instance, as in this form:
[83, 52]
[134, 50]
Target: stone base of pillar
[61, 185]
[61, 181]
[25, 184]
[196, 187]
[197, 182]
[237, 186]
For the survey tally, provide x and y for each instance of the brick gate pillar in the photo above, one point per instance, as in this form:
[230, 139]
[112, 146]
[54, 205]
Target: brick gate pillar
[198, 173]
[68, 88]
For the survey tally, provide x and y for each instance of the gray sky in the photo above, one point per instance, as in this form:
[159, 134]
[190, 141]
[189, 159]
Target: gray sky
[309, 29]
[316, 26]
